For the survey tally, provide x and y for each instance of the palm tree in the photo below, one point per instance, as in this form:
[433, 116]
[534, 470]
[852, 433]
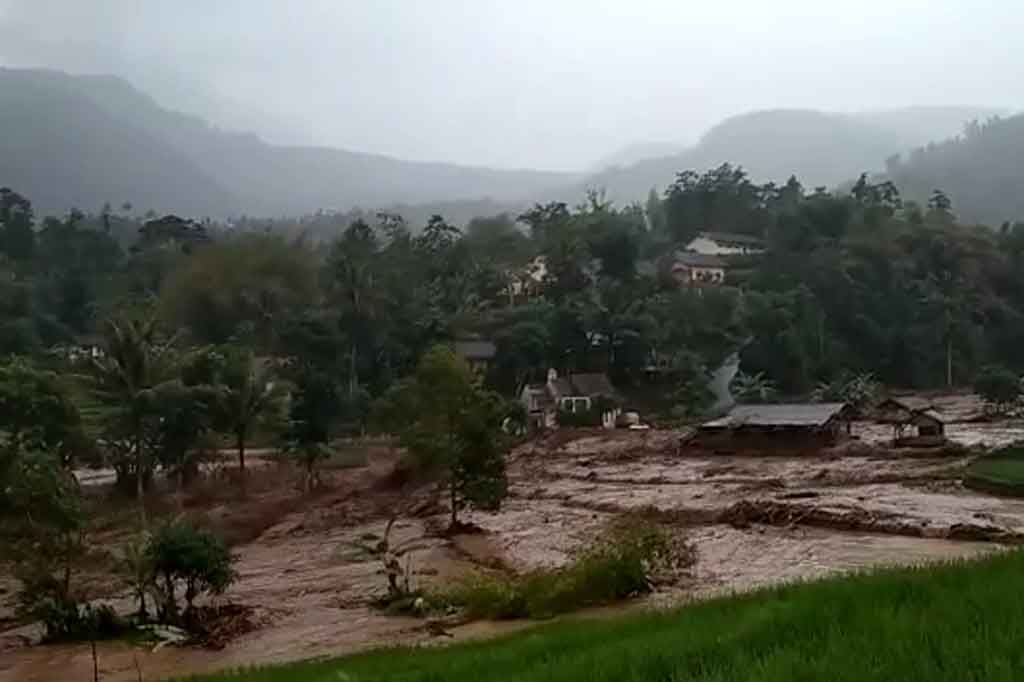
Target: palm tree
[128, 377]
[753, 388]
[248, 396]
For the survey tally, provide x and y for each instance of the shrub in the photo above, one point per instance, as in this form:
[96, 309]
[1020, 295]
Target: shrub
[182, 555]
[617, 568]
[43, 598]
[860, 391]
[999, 387]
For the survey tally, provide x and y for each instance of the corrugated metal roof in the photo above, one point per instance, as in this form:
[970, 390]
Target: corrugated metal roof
[909, 402]
[594, 384]
[930, 414]
[698, 260]
[734, 238]
[800, 414]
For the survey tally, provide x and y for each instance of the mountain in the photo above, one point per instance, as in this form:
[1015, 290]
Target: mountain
[980, 171]
[637, 152]
[820, 148]
[79, 141]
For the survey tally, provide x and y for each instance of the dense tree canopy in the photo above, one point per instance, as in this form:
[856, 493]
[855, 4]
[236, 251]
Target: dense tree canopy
[850, 282]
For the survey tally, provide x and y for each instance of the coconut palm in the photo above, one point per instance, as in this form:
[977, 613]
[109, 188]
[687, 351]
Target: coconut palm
[128, 377]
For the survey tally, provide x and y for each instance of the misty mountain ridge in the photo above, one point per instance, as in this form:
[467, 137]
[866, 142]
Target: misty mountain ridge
[80, 141]
[820, 148]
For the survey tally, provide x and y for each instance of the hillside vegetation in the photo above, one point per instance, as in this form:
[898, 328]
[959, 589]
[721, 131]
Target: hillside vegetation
[953, 623]
[979, 170]
[822, 149]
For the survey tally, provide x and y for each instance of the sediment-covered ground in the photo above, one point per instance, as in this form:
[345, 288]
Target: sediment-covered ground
[751, 520]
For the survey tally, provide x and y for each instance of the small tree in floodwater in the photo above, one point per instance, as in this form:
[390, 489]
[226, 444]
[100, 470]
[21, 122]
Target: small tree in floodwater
[183, 556]
[315, 405]
[1000, 388]
[250, 396]
[452, 427]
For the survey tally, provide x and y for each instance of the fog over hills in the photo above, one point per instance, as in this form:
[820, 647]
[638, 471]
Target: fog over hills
[80, 141]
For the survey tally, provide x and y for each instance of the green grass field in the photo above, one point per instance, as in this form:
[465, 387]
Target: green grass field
[954, 622]
[1002, 472]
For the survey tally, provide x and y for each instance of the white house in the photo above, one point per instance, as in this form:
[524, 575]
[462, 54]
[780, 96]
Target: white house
[725, 244]
[697, 269]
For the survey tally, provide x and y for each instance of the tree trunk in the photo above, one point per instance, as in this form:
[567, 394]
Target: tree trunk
[140, 475]
[454, 501]
[179, 484]
[949, 363]
[67, 571]
[240, 442]
[353, 380]
[307, 485]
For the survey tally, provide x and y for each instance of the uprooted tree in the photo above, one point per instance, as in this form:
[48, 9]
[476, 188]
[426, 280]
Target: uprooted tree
[452, 428]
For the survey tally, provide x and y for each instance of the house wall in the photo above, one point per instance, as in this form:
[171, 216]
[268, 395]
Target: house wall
[685, 274]
[768, 438]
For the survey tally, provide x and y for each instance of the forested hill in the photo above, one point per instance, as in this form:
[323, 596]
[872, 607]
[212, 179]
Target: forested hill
[980, 171]
[822, 149]
[81, 141]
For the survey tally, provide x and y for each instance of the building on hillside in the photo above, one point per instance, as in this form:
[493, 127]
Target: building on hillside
[915, 422]
[173, 230]
[695, 269]
[725, 244]
[478, 353]
[802, 425]
[575, 393]
[528, 281]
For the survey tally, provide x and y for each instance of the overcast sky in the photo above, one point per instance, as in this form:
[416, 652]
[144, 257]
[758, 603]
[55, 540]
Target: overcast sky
[551, 84]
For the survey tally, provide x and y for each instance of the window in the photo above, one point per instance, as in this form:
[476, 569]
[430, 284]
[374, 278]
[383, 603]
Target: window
[574, 404]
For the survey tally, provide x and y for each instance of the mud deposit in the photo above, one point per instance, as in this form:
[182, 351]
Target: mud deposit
[752, 521]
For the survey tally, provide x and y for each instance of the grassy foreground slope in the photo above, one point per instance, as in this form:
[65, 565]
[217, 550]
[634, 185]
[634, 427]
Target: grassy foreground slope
[953, 622]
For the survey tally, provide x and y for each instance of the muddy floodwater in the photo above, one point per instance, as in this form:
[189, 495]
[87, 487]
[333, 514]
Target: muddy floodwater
[751, 521]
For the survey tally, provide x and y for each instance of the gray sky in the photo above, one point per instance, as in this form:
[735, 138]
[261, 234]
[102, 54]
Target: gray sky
[550, 84]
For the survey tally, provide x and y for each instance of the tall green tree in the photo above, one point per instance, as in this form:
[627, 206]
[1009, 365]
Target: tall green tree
[357, 291]
[17, 236]
[249, 395]
[452, 427]
[36, 412]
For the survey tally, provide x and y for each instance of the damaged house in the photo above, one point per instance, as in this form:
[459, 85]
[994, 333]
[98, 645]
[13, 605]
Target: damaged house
[798, 425]
[915, 422]
[573, 393]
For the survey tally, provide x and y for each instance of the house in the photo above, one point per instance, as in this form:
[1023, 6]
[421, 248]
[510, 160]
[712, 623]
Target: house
[900, 408]
[575, 393]
[527, 281]
[914, 420]
[928, 430]
[478, 353]
[725, 244]
[798, 425]
[697, 269]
